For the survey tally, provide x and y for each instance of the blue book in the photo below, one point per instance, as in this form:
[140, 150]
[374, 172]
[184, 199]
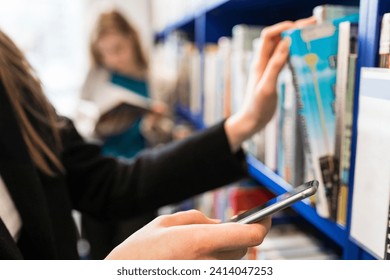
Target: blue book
[313, 57]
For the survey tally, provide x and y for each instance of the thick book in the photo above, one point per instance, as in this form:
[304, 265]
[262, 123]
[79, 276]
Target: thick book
[222, 108]
[345, 90]
[346, 140]
[210, 80]
[371, 192]
[313, 59]
[115, 110]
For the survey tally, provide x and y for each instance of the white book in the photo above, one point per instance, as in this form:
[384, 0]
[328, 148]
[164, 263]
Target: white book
[210, 85]
[345, 87]
[370, 202]
[195, 85]
[271, 142]
[223, 90]
[341, 81]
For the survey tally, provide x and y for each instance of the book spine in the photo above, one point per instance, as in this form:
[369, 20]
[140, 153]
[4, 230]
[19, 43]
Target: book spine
[346, 143]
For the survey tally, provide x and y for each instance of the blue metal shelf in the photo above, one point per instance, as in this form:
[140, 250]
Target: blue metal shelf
[222, 15]
[261, 12]
[186, 24]
[367, 256]
[265, 5]
[276, 184]
[185, 113]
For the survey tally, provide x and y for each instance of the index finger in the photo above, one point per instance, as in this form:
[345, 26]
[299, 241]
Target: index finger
[270, 37]
[305, 22]
[276, 30]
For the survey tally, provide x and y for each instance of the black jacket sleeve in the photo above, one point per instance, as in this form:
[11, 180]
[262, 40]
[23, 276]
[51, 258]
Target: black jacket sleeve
[107, 188]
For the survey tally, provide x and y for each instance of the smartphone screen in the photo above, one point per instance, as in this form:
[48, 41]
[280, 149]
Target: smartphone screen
[277, 203]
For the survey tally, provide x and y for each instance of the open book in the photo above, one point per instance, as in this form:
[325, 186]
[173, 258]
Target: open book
[113, 111]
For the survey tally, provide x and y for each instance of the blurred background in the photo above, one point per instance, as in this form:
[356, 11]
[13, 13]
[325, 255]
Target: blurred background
[54, 36]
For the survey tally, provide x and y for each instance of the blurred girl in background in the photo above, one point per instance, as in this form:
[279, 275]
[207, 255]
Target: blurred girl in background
[117, 57]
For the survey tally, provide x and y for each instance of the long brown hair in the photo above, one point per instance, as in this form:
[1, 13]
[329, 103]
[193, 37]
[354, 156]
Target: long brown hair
[28, 100]
[115, 21]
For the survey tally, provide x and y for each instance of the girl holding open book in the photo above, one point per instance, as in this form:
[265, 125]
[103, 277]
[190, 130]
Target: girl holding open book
[117, 58]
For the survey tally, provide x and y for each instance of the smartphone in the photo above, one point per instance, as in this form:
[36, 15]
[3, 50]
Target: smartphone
[277, 203]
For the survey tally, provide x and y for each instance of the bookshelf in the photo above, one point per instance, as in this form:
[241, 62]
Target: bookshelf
[217, 19]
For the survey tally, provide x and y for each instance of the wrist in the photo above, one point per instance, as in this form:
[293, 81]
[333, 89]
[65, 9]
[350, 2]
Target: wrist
[239, 128]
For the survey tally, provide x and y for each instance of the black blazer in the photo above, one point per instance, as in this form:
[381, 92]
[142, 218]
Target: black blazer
[102, 187]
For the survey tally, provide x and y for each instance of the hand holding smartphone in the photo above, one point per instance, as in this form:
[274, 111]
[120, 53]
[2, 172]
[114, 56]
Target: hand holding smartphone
[277, 203]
